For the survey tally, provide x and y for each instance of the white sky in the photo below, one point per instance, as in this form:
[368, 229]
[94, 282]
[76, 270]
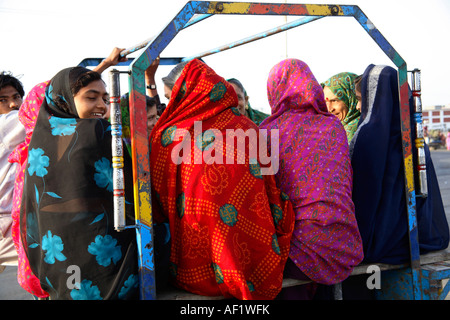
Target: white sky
[39, 38]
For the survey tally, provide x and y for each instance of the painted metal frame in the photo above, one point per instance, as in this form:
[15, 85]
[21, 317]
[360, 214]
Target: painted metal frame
[140, 147]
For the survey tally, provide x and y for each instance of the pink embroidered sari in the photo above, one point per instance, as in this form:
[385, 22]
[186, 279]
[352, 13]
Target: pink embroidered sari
[315, 172]
[27, 115]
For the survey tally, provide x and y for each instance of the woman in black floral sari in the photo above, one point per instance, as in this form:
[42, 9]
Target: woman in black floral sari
[67, 222]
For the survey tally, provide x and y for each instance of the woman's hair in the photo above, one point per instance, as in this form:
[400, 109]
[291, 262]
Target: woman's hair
[79, 77]
[173, 75]
[358, 83]
[238, 83]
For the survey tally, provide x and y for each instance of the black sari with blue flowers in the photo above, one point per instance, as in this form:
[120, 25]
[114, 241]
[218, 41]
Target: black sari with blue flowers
[67, 222]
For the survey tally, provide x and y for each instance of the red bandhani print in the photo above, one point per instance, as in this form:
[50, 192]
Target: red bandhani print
[230, 225]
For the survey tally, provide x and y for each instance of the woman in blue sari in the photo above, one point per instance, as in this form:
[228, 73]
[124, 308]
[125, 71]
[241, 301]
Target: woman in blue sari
[379, 178]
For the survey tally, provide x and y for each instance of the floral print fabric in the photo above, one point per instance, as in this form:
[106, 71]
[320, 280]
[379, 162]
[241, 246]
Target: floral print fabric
[66, 212]
[315, 172]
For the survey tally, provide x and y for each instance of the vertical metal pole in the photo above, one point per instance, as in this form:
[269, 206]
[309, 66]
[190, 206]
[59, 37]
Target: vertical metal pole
[408, 146]
[421, 165]
[337, 291]
[142, 187]
[117, 152]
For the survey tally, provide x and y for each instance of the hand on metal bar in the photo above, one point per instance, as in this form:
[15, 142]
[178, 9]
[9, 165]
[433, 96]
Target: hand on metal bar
[113, 59]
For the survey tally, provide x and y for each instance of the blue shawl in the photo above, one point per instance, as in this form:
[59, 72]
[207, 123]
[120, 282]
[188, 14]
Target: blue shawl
[379, 179]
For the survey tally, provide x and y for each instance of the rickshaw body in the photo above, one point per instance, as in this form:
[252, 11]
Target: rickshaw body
[415, 280]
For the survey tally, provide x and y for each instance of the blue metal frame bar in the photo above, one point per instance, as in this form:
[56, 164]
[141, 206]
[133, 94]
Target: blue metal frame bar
[92, 62]
[261, 35]
[197, 19]
[143, 44]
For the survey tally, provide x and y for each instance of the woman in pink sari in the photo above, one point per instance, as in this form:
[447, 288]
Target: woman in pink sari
[27, 115]
[315, 172]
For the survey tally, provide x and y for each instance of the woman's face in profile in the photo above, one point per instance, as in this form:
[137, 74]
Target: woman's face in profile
[92, 101]
[334, 105]
[167, 92]
[241, 98]
[358, 97]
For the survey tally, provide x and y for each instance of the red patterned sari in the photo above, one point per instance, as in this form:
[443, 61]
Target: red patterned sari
[230, 225]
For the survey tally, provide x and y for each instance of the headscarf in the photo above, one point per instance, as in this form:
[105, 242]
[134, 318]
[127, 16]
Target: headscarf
[315, 173]
[66, 213]
[379, 178]
[28, 113]
[255, 115]
[230, 225]
[343, 87]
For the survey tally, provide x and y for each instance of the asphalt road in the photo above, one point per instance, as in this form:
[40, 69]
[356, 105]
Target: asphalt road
[10, 289]
[441, 161]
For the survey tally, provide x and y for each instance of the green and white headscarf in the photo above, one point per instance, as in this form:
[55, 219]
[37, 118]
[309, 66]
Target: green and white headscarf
[343, 87]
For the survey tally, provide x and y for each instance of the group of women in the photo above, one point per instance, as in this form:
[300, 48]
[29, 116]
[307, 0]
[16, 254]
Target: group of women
[233, 231]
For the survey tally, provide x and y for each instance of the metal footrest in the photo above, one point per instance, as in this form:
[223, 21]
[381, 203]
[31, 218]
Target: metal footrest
[397, 284]
[435, 280]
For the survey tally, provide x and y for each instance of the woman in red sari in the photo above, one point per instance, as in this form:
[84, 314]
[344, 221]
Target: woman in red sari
[230, 225]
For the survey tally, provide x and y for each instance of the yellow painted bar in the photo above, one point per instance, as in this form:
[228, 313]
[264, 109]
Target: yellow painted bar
[216, 7]
[142, 202]
[409, 173]
[220, 7]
